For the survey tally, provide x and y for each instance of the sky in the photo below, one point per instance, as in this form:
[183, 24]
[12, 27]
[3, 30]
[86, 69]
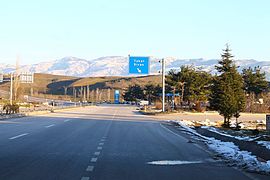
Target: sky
[37, 31]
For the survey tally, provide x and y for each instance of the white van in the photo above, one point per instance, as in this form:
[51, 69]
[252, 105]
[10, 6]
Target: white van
[143, 103]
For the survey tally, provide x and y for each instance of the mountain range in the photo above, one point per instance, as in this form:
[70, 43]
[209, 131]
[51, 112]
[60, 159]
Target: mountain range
[118, 66]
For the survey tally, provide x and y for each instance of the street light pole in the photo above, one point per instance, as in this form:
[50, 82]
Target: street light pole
[11, 89]
[163, 85]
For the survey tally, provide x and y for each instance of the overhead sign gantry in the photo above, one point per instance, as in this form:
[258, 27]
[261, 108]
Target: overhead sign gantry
[139, 65]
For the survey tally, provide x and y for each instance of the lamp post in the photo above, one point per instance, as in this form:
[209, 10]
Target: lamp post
[11, 89]
[163, 85]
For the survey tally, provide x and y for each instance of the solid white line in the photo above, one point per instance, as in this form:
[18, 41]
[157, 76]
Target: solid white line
[18, 136]
[94, 160]
[50, 126]
[198, 146]
[85, 178]
[101, 144]
[90, 168]
[99, 148]
[97, 153]
[173, 132]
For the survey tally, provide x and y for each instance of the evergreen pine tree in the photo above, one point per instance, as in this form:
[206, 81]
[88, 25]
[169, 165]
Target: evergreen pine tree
[134, 93]
[255, 84]
[255, 81]
[149, 90]
[228, 96]
[195, 83]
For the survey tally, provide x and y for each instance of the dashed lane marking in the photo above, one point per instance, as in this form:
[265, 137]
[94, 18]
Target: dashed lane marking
[85, 178]
[101, 144]
[99, 148]
[97, 153]
[94, 159]
[90, 168]
[50, 126]
[66, 120]
[21, 135]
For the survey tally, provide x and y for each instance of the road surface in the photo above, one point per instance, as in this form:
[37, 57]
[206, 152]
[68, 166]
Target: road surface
[100, 143]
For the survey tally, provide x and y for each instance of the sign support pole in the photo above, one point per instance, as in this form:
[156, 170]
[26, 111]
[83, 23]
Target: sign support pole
[163, 85]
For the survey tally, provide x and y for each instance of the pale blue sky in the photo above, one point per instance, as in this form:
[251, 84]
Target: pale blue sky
[51, 29]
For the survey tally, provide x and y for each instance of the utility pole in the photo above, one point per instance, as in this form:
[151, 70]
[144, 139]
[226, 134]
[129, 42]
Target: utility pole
[163, 85]
[109, 95]
[97, 95]
[11, 88]
[88, 93]
[84, 94]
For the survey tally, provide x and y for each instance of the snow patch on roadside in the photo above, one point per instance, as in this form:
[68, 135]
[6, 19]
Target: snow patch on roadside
[230, 151]
[243, 159]
[185, 125]
[264, 143]
[215, 130]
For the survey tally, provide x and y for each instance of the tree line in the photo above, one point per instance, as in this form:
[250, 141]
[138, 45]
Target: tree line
[227, 91]
[150, 92]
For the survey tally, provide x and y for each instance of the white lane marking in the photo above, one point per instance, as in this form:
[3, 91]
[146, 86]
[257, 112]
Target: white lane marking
[248, 175]
[99, 148]
[90, 168]
[50, 126]
[85, 178]
[66, 120]
[114, 114]
[94, 160]
[14, 137]
[185, 139]
[102, 140]
[101, 144]
[174, 162]
[97, 153]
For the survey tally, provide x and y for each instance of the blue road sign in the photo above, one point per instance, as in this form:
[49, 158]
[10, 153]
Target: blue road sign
[138, 65]
[116, 96]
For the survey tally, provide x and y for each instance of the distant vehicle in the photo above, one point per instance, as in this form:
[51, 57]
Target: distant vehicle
[143, 103]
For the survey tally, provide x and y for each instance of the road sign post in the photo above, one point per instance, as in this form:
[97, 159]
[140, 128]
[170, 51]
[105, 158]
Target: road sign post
[138, 65]
[116, 96]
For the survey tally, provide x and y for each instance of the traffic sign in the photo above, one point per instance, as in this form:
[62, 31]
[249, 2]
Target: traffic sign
[26, 77]
[116, 96]
[138, 65]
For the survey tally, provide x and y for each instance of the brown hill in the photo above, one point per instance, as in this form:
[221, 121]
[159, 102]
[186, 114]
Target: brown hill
[89, 88]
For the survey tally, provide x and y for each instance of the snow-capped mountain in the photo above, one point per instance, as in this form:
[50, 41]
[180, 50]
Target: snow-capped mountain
[118, 66]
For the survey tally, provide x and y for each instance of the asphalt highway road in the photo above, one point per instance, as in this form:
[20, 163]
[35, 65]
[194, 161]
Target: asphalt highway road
[100, 143]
